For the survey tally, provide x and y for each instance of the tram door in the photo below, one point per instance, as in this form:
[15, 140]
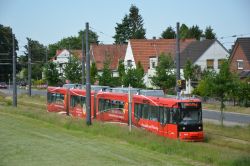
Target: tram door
[163, 118]
[172, 124]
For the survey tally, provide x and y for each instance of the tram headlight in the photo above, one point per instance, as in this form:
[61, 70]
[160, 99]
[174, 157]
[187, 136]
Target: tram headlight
[199, 127]
[183, 128]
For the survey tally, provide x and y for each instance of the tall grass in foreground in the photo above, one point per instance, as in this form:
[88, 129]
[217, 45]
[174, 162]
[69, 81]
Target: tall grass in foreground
[204, 152]
[214, 151]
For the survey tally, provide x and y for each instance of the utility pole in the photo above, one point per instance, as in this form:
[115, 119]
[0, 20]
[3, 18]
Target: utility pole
[46, 59]
[177, 60]
[14, 73]
[88, 87]
[29, 68]
[129, 108]
[83, 64]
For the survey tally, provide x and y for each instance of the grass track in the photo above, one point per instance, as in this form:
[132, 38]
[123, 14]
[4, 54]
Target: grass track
[31, 136]
[26, 141]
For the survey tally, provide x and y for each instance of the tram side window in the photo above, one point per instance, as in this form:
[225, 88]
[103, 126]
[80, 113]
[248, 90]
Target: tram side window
[55, 98]
[174, 114]
[77, 101]
[138, 111]
[49, 97]
[145, 111]
[117, 104]
[104, 105]
[107, 105]
[101, 105]
[164, 115]
[154, 113]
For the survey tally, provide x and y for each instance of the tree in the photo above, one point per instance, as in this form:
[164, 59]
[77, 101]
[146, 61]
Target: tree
[134, 77]
[222, 85]
[73, 42]
[38, 58]
[204, 87]
[242, 93]
[188, 70]
[73, 70]
[209, 34]
[106, 78]
[188, 74]
[136, 24]
[195, 32]
[218, 85]
[6, 50]
[165, 75]
[93, 73]
[169, 33]
[184, 31]
[130, 28]
[51, 73]
[122, 31]
[121, 71]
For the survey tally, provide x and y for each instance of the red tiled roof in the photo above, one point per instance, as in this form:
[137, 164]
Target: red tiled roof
[114, 53]
[59, 52]
[143, 49]
[77, 54]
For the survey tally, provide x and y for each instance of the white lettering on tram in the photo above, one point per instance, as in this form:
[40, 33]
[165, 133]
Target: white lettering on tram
[116, 116]
[149, 126]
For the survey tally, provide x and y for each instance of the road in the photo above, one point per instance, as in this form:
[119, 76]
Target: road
[23, 91]
[229, 117]
[208, 115]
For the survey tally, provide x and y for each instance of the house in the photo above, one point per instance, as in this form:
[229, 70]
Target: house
[208, 54]
[147, 51]
[240, 57]
[107, 53]
[62, 57]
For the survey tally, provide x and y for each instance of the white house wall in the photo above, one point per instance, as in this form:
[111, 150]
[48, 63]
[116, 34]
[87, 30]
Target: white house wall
[61, 60]
[63, 57]
[129, 56]
[215, 52]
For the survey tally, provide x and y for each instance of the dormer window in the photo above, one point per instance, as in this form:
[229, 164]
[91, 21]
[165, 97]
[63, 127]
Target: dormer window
[240, 64]
[152, 62]
[129, 63]
[153, 65]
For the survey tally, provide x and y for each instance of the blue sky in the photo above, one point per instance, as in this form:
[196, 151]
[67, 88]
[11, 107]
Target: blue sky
[48, 21]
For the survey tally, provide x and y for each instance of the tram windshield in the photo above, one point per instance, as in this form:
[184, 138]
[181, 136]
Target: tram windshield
[190, 113]
[190, 117]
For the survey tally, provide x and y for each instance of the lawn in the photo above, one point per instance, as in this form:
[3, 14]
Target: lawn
[31, 136]
[28, 141]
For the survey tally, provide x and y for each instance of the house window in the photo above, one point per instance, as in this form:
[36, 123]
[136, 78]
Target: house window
[210, 64]
[220, 62]
[153, 65]
[153, 62]
[240, 64]
[129, 63]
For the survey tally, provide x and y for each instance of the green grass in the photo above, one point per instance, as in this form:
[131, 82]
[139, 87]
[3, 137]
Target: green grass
[25, 140]
[32, 136]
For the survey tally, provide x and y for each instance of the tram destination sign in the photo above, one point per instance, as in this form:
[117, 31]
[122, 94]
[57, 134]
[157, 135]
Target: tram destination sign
[193, 105]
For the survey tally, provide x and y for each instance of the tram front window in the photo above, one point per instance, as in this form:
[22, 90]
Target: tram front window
[190, 117]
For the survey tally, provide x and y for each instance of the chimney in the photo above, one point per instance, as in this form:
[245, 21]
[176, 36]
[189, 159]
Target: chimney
[154, 38]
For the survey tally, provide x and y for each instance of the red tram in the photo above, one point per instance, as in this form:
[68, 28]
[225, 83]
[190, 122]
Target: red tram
[168, 117]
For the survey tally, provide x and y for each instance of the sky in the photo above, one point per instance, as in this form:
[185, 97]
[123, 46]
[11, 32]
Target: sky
[48, 21]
